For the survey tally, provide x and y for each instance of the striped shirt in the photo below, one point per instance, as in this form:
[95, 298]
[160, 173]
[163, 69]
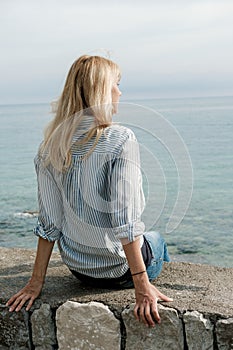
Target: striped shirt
[95, 203]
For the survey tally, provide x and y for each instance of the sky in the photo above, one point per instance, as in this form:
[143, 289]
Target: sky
[166, 49]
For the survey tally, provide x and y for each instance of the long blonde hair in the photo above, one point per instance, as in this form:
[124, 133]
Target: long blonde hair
[88, 87]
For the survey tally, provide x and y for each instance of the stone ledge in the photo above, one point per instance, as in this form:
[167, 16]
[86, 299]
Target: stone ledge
[207, 290]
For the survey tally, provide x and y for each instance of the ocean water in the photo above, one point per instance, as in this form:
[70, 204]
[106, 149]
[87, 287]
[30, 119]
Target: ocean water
[205, 126]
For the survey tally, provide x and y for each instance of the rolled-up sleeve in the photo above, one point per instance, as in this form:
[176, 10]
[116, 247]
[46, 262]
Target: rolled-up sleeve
[127, 198]
[50, 205]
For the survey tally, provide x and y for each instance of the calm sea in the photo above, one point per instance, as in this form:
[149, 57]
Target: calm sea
[205, 125]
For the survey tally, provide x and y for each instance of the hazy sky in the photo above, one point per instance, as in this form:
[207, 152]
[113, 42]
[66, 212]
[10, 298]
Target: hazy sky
[165, 48]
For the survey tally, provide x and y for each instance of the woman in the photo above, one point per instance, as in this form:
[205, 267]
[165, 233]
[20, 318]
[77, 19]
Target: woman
[90, 194]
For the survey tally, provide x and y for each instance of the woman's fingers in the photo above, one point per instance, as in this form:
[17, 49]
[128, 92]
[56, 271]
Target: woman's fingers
[13, 298]
[10, 301]
[136, 312]
[31, 301]
[18, 300]
[14, 301]
[147, 313]
[18, 303]
[163, 297]
[142, 314]
[154, 311]
[22, 302]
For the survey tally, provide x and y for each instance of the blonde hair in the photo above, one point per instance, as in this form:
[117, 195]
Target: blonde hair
[88, 87]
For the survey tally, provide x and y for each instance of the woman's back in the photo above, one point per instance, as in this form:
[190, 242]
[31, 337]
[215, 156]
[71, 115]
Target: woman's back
[92, 209]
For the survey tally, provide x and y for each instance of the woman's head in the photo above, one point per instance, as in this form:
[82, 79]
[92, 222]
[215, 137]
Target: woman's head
[91, 87]
[89, 84]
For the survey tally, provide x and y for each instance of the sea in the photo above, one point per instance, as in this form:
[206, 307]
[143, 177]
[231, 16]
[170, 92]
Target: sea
[186, 148]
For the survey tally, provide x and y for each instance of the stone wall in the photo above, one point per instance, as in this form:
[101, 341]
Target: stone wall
[69, 315]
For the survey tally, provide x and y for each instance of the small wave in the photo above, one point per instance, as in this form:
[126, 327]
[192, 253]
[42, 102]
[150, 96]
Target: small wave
[26, 214]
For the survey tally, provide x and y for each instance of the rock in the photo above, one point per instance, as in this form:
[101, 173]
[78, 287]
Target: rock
[14, 332]
[43, 330]
[87, 326]
[166, 335]
[224, 333]
[199, 331]
[45, 347]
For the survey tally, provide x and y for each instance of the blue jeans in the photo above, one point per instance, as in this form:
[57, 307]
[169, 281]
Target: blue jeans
[160, 254]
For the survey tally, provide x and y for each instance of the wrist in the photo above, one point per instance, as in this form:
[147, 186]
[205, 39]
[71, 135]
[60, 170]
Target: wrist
[140, 280]
[37, 278]
[138, 273]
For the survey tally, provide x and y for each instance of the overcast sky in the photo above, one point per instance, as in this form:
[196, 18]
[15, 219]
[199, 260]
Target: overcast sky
[165, 48]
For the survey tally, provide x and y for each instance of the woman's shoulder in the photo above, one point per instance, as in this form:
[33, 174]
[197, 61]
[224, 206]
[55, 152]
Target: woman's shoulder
[120, 132]
[114, 139]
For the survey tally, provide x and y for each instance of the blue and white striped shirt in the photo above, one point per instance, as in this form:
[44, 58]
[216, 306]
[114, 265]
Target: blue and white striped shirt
[94, 204]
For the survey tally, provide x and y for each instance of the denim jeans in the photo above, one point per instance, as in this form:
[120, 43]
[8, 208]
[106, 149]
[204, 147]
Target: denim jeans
[160, 254]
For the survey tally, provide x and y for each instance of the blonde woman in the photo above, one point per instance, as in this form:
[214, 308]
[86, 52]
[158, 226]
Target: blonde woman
[90, 194]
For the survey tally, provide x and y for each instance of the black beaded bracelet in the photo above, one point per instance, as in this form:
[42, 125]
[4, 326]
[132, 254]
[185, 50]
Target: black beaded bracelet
[137, 273]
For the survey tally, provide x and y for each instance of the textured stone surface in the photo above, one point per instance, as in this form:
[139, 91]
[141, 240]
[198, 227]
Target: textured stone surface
[87, 326]
[206, 289]
[164, 336]
[46, 347]
[13, 347]
[14, 332]
[224, 333]
[43, 328]
[192, 286]
[199, 331]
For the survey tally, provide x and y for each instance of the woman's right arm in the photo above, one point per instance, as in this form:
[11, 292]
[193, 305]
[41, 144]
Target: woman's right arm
[147, 295]
[34, 286]
[127, 207]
